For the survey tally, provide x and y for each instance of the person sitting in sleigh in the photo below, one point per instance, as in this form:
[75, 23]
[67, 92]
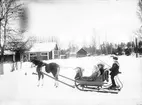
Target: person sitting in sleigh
[98, 71]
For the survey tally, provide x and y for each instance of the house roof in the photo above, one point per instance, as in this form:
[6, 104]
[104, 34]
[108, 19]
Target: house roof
[82, 50]
[7, 52]
[77, 50]
[43, 47]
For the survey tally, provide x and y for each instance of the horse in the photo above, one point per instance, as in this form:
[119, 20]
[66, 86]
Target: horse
[54, 68]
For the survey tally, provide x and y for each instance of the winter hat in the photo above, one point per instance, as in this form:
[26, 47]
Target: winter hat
[114, 57]
[100, 64]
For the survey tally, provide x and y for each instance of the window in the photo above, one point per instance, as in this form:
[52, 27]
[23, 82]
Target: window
[43, 54]
[33, 54]
[56, 52]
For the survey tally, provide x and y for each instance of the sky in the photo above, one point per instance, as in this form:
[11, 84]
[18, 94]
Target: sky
[78, 21]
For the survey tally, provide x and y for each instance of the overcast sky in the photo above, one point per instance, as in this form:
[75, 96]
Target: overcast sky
[77, 21]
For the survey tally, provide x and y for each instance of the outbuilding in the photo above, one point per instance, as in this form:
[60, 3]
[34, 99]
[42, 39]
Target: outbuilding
[9, 56]
[81, 53]
[78, 53]
[43, 51]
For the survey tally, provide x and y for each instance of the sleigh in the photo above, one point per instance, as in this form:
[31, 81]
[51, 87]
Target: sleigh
[101, 84]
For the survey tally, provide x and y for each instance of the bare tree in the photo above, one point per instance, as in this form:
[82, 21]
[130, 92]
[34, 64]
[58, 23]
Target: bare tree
[20, 46]
[94, 40]
[138, 32]
[140, 10]
[72, 47]
[54, 39]
[9, 12]
[139, 13]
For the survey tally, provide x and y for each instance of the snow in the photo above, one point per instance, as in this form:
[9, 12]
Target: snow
[40, 47]
[16, 88]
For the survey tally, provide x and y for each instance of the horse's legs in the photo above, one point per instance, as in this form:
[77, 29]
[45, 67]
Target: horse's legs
[39, 74]
[56, 77]
[56, 82]
[38, 82]
[42, 75]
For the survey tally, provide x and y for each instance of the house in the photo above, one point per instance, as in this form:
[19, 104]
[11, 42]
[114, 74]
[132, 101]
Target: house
[8, 56]
[78, 53]
[43, 51]
[81, 53]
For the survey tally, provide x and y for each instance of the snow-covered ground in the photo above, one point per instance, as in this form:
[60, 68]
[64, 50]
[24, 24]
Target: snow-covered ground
[19, 89]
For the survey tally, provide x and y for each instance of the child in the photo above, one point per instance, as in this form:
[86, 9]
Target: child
[97, 71]
[114, 71]
[79, 73]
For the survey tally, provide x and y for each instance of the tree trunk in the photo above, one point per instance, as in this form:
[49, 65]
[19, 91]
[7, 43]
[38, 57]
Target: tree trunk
[2, 62]
[2, 47]
[21, 60]
[136, 47]
[2, 54]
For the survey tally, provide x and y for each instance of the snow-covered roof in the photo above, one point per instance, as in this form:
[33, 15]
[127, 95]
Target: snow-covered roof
[76, 50]
[7, 52]
[43, 47]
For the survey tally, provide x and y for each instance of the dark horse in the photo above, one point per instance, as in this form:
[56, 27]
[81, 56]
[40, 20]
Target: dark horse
[51, 67]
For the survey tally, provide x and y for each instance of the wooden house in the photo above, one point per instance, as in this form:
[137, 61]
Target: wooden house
[78, 53]
[9, 56]
[43, 51]
[81, 53]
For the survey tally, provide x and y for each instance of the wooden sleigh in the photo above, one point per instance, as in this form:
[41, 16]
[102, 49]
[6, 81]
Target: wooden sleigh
[101, 84]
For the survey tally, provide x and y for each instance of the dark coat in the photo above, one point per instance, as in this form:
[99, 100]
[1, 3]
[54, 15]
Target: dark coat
[114, 69]
[102, 71]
